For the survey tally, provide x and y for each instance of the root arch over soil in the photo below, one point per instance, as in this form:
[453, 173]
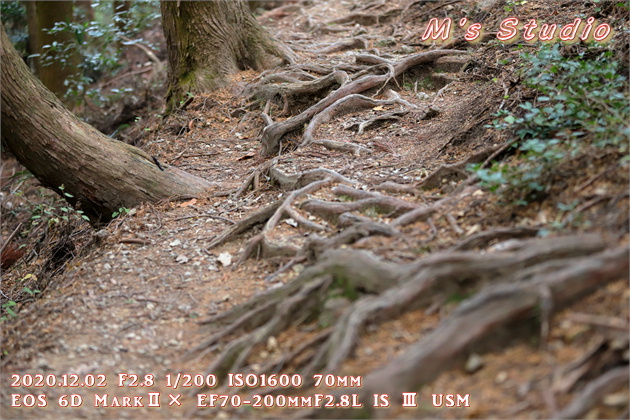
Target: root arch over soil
[335, 102]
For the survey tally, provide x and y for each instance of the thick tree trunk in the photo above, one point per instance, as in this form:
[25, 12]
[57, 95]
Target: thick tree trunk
[42, 16]
[207, 40]
[102, 174]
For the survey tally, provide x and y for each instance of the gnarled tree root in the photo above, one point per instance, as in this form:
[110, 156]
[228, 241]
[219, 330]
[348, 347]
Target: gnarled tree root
[273, 133]
[344, 105]
[476, 321]
[389, 289]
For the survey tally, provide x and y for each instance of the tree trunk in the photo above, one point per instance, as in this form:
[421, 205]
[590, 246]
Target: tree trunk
[121, 10]
[33, 36]
[86, 6]
[207, 40]
[42, 16]
[102, 174]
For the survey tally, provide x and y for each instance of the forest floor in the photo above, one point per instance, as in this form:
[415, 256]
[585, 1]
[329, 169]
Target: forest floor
[167, 288]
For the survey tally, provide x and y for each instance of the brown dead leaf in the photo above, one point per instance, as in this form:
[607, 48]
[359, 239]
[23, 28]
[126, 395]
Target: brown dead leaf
[247, 156]
[188, 203]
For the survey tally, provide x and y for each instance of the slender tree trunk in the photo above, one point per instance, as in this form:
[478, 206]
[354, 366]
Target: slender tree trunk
[121, 9]
[86, 6]
[34, 42]
[207, 40]
[42, 16]
[102, 174]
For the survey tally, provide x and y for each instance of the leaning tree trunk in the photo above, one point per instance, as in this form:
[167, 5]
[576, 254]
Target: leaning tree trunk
[102, 174]
[42, 16]
[207, 40]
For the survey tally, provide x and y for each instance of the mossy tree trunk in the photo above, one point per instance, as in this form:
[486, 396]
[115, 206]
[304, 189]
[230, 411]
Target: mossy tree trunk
[208, 40]
[42, 16]
[102, 174]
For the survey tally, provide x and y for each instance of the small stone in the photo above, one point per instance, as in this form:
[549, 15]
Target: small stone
[474, 363]
[182, 259]
[175, 242]
[619, 399]
[272, 344]
[501, 377]
[225, 258]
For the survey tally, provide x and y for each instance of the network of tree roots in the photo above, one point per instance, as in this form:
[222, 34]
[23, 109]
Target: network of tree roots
[513, 278]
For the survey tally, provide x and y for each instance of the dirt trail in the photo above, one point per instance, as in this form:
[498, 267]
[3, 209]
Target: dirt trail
[131, 302]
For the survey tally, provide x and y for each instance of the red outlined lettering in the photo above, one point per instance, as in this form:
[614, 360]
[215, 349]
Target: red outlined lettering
[507, 30]
[473, 32]
[436, 30]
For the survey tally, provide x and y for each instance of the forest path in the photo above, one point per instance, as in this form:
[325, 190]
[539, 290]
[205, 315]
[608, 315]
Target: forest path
[131, 303]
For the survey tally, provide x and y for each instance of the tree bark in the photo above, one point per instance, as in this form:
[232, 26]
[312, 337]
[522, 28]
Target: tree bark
[101, 174]
[42, 16]
[208, 40]
[121, 9]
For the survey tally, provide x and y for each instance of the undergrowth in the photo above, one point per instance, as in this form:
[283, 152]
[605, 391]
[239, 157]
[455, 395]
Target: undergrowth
[579, 104]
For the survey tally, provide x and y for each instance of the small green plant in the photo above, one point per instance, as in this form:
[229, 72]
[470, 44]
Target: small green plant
[579, 104]
[8, 308]
[99, 44]
[120, 212]
[510, 5]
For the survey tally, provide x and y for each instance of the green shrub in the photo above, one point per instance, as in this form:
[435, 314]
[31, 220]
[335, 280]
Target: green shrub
[579, 103]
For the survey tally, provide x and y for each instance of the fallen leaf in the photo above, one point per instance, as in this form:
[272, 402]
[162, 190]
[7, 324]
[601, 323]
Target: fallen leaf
[247, 156]
[182, 259]
[378, 108]
[188, 203]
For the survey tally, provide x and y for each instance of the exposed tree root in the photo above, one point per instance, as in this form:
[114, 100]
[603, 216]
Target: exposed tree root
[285, 207]
[391, 206]
[346, 44]
[423, 213]
[389, 289]
[362, 126]
[481, 239]
[286, 181]
[344, 105]
[607, 383]
[456, 171]
[477, 321]
[272, 134]
[284, 86]
[261, 216]
[306, 183]
[315, 246]
[260, 247]
[288, 311]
